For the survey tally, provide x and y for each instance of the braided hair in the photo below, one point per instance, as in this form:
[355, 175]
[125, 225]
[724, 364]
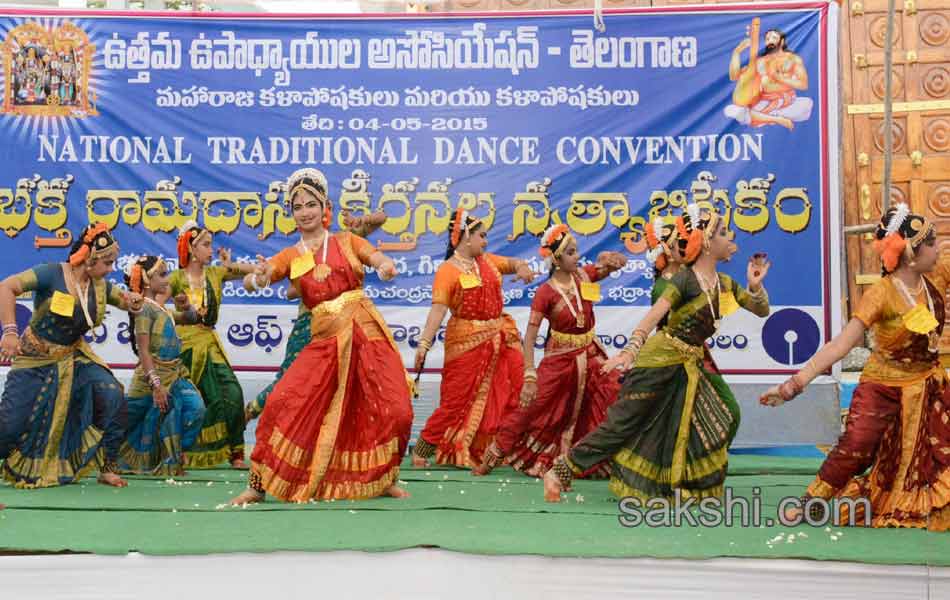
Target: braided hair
[135, 279]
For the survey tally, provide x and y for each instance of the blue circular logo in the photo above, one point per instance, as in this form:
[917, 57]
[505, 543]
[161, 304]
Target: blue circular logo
[791, 336]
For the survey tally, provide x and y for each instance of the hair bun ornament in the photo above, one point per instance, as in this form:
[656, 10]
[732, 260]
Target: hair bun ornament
[681, 228]
[187, 226]
[693, 210]
[901, 212]
[890, 248]
[460, 216]
[550, 235]
[654, 253]
[310, 173]
[653, 232]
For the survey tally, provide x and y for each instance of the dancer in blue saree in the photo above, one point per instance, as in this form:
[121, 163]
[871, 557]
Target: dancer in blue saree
[62, 412]
[165, 409]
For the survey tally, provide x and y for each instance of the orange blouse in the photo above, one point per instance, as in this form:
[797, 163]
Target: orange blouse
[346, 255]
[480, 303]
[898, 353]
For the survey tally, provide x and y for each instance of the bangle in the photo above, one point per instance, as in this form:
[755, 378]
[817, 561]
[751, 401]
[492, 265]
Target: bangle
[425, 344]
[531, 375]
[791, 388]
[637, 339]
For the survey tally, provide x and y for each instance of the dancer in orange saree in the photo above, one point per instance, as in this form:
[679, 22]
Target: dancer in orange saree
[337, 423]
[899, 421]
[567, 396]
[483, 365]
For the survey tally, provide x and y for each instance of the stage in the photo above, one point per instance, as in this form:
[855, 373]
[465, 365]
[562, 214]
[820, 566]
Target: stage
[483, 534]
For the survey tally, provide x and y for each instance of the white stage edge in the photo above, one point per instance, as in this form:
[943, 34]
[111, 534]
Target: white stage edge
[433, 573]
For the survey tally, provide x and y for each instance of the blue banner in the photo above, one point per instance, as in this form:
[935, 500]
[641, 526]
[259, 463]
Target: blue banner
[528, 120]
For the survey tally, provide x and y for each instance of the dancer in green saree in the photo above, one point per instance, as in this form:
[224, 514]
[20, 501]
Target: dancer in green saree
[671, 427]
[222, 435]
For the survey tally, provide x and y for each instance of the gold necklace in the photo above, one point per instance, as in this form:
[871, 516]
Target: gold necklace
[323, 270]
[82, 293]
[707, 289]
[933, 338]
[197, 294]
[579, 313]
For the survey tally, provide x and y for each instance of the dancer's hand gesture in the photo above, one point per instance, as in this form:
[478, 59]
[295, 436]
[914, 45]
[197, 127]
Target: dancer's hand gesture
[135, 302]
[623, 361]
[757, 270]
[387, 270]
[524, 273]
[612, 260]
[529, 392]
[771, 397]
[9, 347]
[420, 357]
[224, 255]
[182, 303]
[160, 398]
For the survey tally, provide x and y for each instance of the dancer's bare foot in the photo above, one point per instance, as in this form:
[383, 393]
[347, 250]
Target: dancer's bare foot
[482, 470]
[112, 479]
[238, 463]
[394, 491]
[248, 496]
[418, 461]
[552, 487]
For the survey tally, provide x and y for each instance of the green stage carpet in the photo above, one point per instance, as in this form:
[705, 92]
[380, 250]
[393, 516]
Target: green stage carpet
[500, 514]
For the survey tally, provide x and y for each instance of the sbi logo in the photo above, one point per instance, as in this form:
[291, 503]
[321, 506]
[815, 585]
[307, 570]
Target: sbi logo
[790, 336]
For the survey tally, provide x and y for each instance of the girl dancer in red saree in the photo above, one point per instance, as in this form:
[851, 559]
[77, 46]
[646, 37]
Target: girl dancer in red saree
[484, 366]
[567, 396]
[899, 421]
[337, 423]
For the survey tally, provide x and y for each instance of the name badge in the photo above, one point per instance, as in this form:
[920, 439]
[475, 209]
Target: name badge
[590, 291]
[62, 304]
[919, 319]
[469, 281]
[301, 265]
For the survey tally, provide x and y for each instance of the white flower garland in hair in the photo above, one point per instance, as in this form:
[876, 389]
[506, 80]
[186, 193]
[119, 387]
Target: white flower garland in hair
[309, 173]
[546, 236]
[901, 212]
[693, 211]
[654, 253]
[189, 224]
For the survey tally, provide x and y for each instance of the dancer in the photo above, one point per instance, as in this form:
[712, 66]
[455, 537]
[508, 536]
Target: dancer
[669, 431]
[484, 365]
[222, 434]
[664, 253]
[337, 423]
[300, 333]
[899, 421]
[62, 407]
[568, 395]
[165, 410]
